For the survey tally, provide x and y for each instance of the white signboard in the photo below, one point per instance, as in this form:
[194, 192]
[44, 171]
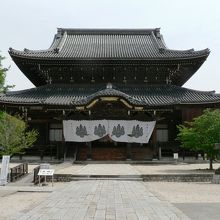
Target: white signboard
[175, 156]
[4, 170]
[45, 172]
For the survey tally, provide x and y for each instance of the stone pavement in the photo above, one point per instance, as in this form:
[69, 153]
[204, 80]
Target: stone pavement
[108, 169]
[127, 169]
[111, 199]
[100, 200]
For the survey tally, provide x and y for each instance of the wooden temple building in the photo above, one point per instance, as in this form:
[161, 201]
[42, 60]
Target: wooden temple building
[112, 74]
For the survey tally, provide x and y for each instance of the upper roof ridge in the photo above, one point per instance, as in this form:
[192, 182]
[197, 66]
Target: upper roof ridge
[110, 31]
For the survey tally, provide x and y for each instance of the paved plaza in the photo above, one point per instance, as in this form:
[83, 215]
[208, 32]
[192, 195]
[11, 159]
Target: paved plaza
[113, 199]
[100, 200]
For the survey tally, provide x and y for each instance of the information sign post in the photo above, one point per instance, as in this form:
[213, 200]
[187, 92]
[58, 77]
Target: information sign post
[175, 156]
[4, 170]
[45, 173]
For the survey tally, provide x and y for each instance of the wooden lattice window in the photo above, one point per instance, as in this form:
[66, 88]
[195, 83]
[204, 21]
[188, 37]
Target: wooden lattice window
[56, 132]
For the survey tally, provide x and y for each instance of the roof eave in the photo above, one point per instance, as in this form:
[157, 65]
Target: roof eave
[23, 55]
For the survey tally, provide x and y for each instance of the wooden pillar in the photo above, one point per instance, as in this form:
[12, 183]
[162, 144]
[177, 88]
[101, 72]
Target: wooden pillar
[63, 146]
[51, 155]
[159, 153]
[154, 142]
[63, 150]
[57, 147]
[47, 133]
[128, 150]
[89, 152]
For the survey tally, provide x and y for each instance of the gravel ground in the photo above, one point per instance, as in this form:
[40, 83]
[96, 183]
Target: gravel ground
[176, 192]
[175, 168]
[20, 199]
[18, 202]
[199, 201]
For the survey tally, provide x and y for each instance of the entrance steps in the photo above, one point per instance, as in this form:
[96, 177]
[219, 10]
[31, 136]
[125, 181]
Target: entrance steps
[107, 177]
[146, 178]
[85, 162]
[162, 161]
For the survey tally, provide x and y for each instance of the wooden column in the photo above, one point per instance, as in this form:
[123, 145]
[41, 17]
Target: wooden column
[159, 153]
[47, 139]
[128, 150]
[154, 142]
[63, 146]
[89, 152]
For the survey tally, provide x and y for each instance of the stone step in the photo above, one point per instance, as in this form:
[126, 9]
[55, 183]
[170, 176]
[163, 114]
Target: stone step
[107, 178]
[146, 178]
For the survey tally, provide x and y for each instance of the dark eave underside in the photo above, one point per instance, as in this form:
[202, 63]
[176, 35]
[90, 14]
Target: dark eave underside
[80, 95]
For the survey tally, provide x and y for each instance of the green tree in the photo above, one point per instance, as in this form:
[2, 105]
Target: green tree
[202, 134]
[2, 74]
[3, 71]
[14, 136]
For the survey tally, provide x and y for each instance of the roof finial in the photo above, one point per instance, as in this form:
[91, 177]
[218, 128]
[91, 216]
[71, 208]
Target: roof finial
[109, 86]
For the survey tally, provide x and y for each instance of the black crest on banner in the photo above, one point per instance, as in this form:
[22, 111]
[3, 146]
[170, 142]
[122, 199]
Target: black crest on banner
[81, 131]
[118, 131]
[137, 131]
[100, 130]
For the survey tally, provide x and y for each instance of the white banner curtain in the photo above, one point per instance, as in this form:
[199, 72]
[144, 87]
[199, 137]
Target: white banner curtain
[84, 130]
[132, 131]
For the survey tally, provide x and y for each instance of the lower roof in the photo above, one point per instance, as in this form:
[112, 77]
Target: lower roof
[136, 95]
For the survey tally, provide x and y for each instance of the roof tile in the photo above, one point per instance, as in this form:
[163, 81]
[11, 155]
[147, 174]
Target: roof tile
[144, 95]
[108, 44]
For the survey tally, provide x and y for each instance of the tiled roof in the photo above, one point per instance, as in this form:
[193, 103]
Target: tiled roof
[108, 44]
[141, 95]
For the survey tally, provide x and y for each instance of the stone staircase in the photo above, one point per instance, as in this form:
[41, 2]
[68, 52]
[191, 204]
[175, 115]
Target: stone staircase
[107, 177]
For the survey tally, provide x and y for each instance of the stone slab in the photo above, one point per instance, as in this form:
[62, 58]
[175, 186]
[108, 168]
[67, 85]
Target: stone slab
[103, 199]
[200, 211]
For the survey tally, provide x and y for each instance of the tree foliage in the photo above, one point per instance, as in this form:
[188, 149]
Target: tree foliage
[3, 88]
[2, 75]
[14, 136]
[202, 134]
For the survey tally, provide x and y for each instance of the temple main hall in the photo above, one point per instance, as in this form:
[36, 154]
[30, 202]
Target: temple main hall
[108, 94]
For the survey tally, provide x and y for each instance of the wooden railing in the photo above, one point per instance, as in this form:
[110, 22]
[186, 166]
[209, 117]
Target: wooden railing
[18, 171]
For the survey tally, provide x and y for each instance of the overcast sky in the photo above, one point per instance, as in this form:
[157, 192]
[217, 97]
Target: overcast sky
[184, 24]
